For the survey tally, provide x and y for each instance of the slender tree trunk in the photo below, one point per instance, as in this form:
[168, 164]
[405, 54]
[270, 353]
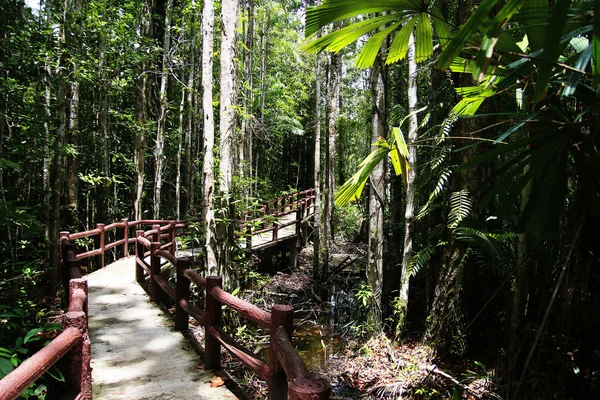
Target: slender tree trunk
[189, 131]
[208, 184]
[264, 65]
[47, 162]
[227, 129]
[376, 200]
[248, 100]
[317, 273]
[409, 211]
[62, 74]
[179, 148]
[332, 112]
[141, 112]
[72, 161]
[162, 114]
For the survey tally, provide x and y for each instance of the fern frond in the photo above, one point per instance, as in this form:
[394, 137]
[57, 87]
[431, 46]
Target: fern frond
[460, 208]
[420, 260]
[443, 178]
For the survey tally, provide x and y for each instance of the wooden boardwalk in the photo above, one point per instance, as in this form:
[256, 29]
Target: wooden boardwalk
[136, 353]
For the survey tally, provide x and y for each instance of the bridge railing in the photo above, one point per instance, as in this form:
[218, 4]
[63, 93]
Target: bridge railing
[301, 203]
[71, 348]
[285, 372]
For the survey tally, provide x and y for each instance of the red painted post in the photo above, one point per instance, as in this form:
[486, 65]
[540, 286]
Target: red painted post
[125, 223]
[281, 315]
[78, 372]
[139, 255]
[156, 234]
[99, 245]
[155, 290]
[172, 236]
[182, 293]
[212, 347]
[64, 268]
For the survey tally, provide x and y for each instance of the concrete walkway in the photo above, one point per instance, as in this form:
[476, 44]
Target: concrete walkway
[136, 353]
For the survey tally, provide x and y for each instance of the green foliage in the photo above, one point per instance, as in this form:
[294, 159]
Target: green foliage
[400, 15]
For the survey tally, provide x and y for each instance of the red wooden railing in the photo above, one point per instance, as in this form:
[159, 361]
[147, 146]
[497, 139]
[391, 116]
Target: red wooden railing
[300, 203]
[71, 347]
[285, 372]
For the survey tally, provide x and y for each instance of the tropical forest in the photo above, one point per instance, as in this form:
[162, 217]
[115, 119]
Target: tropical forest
[405, 190]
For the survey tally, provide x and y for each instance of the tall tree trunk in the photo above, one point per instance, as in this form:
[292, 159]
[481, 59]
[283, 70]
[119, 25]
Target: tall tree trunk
[409, 211]
[248, 99]
[62, 74]
[376, 199]
[72, 161]
[141, 111]
[264, 65]
[47, 162]
[227, 125]
[208, 184]
[332, 112]
[189, 131]
[102, 127]
[178, 162]
[317, 273]
[162, 113]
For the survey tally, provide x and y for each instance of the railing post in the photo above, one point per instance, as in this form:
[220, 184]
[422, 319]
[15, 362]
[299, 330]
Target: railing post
[99, 245]
[172, 235]
[139, 255]
[281, 315]
[275, 230]
[78, 372]
[212, 347]
[125, 223]
[156, 235]
[182, 293]
[64, 272]
[155, 290]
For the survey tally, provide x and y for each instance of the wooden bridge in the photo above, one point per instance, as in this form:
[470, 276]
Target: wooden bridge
[85, 332]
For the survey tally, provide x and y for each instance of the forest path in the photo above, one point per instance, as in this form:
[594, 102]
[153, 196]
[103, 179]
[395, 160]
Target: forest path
[136, 352]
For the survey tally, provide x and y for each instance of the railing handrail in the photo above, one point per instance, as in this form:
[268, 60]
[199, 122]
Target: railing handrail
[285, 372]
[73, 344]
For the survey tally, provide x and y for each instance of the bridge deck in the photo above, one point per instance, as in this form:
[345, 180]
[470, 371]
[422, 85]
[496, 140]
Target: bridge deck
[136, 353]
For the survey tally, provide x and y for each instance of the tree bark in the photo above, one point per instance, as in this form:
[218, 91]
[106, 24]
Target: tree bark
[141, 112]
[332, 112]
[248, 99]
[189, 131]
[376, 200]
[163, 111]
[409, 211]
[208, 185]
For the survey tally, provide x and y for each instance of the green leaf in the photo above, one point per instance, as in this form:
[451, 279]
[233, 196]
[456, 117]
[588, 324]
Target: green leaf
[423, 41]
[440, 27]
[367, 56]
[460, 208]
[31, 334]
[336, 10]
[399, 46]
[552, 47]
[535, 14]
[5, 367]
[337, 40]
[581, 65]
[400, 155]
[491, 37]
[465, 33]
[351, 190]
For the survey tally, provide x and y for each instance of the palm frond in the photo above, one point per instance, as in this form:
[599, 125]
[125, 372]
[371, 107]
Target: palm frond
[460, 208]
[442, 181]
[420, 260]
